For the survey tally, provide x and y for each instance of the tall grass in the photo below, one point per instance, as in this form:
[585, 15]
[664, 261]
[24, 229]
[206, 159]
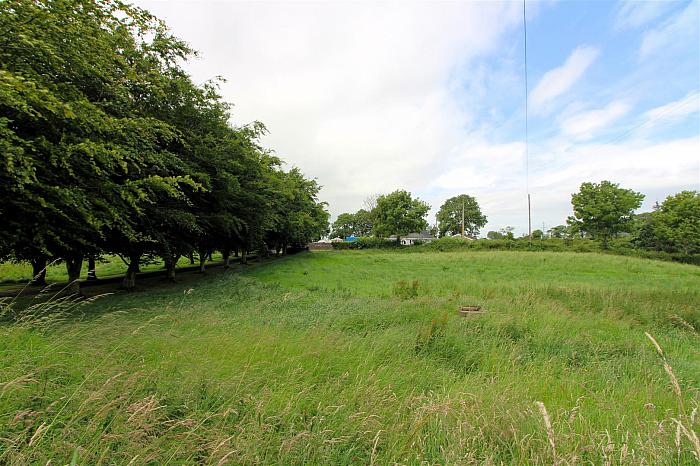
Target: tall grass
[314, 360]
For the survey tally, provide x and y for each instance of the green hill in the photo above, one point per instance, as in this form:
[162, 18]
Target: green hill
[361, 357]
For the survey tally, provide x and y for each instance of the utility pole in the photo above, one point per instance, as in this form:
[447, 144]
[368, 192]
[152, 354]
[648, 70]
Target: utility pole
[529, 218]
[462, 217]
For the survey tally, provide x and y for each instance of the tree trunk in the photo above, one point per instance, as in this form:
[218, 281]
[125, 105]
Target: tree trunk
[244, 256]
[235, 252]
[191, 257]
[226, 253]
[129, 282]
[170, 263]
[74, 265]
[284, 249]
[92, 273]
[202, 261]
[39, 271]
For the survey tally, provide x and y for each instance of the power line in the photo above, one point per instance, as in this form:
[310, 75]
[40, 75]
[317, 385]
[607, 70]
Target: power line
[527, 152]
[631, 130]
[669, 110]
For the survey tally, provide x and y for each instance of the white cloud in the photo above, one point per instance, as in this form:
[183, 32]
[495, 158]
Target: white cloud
[371, 97]
[656, 170]
[495, 174]
[636, 13]
[628, 163]
[672, 33]
[360, 95]
[584, 125]
[559, 80]
[479, 165]
[676, 110]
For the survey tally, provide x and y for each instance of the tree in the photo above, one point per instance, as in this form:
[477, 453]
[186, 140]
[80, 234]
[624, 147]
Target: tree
[603, 210]
[343, 226]
[299, 218]
[108, 146]
[674, 225]
[364, 222]
[79, 159]
[358, 224]
[494, 235]
[537, 234]
[370, 202]
[559, 231]
[399, 214]
[507, 232]
[449, 216]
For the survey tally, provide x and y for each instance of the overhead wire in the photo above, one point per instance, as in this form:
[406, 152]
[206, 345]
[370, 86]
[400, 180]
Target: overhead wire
[527, 149]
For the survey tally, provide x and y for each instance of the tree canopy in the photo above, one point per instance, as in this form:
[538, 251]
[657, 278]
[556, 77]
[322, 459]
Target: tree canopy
[602, 210]
[398, 213]
[674, 225]
[108, 146]
[360, 223]
[343, 226]
[449, 216]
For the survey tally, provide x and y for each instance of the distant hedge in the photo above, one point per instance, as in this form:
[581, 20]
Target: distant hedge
[369, 242]
[621, 246]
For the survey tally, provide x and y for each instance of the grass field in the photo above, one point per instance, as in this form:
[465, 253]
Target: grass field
[12, 274]
[337, 358]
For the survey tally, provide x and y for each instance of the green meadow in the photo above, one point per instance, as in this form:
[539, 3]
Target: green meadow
[360, 357]
[107, 267]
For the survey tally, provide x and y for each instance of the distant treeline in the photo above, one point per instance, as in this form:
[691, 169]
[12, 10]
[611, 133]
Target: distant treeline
[622, 246]
[603, 220]
[108, 146]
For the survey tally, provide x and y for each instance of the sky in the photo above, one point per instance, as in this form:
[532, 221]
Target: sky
[370, 97]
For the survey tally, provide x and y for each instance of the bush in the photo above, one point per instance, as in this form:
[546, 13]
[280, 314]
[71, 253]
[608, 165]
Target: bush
[369, 242]
[623, 245]
[521, 244]
[352, 245]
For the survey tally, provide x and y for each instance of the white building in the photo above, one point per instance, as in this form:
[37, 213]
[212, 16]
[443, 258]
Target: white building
[466, 236]
[411, 238]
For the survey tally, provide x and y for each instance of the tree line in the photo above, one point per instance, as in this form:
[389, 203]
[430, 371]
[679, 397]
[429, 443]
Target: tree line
[601, 211]
[604, 211]
[109, 147]
[399, 213]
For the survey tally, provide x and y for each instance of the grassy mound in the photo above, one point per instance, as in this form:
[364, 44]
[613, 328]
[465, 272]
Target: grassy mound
[360, 357]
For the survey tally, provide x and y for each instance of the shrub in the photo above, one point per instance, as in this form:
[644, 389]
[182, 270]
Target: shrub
[370, 242]
[623, 245]
[352, 245]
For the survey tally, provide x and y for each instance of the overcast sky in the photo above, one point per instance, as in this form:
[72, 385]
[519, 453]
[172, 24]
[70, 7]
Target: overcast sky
[369, 97]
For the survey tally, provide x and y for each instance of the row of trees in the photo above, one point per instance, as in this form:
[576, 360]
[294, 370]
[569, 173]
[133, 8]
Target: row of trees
[107, 146]
[601, 211]
[604, 211]
[398, 213]
[673, 226]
